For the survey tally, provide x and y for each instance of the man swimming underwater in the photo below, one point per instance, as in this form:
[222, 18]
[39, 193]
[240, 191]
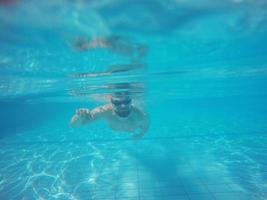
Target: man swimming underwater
[120, 114]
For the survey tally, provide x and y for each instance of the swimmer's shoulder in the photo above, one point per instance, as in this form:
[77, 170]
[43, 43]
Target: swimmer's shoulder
[139, 111]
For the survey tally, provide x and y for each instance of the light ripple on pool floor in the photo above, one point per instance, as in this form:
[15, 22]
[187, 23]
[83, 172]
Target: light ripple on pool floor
[135, 170]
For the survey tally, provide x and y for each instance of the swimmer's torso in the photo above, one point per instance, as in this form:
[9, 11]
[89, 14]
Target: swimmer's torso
[127, 124]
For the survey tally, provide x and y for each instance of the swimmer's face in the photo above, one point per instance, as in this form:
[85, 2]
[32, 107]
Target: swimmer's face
[122, 107]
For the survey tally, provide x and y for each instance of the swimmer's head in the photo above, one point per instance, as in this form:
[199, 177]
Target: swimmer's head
[121, 102]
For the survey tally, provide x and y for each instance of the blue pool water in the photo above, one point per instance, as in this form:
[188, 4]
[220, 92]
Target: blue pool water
[198, 69]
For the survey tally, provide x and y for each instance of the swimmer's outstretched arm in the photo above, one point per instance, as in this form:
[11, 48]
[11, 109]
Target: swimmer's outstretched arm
[85, 116]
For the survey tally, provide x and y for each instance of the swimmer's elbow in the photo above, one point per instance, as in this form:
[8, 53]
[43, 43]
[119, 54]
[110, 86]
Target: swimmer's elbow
[75, 121]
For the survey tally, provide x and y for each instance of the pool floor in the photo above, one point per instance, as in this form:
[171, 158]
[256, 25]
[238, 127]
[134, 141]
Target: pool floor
[198, 167]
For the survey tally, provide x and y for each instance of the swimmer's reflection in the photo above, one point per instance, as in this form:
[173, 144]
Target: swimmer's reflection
[117, 44]
[112, 69]
[120, 113]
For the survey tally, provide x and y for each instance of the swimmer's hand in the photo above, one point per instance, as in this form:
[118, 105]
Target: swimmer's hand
[140, 132]
[82, 116]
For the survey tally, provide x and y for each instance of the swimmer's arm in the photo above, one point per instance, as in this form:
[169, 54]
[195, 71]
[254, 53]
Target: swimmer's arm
[143, 127]
[85, 116]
